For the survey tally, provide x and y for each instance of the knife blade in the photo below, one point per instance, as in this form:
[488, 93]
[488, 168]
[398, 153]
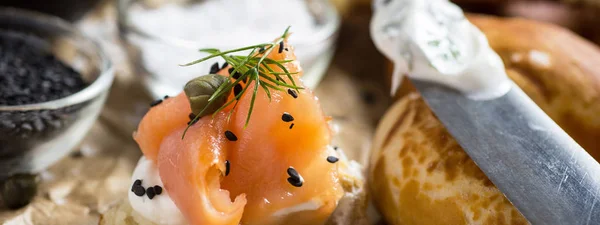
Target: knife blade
[542, 171]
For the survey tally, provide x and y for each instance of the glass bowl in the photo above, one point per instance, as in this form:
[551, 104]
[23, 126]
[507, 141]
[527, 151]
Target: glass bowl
[34, 136]
[158, 53]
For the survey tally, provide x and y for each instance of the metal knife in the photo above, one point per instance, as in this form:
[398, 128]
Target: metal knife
[542, 171]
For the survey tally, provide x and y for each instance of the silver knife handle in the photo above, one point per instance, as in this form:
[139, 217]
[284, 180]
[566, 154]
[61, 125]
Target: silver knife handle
[546, 175]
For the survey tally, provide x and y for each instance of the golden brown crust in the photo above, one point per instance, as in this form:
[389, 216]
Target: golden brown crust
[420, 175]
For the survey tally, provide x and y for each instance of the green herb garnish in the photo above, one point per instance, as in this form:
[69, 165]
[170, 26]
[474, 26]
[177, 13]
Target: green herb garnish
[252, 68]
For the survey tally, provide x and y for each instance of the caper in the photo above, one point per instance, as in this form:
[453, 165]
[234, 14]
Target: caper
[199, 91]
[18, 190]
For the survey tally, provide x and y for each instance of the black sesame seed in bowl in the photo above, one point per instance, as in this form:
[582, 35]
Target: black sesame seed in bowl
[53, 84]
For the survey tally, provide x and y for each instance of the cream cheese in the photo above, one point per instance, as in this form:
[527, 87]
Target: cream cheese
[311, 205]
[433, 41]
[160, 209]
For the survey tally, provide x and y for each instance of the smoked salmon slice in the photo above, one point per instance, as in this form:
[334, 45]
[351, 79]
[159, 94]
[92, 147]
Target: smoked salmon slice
[159, 122]
[191, 170]
[275, 167]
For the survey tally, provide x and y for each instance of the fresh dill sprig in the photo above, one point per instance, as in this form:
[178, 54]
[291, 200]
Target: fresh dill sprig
[252, 68]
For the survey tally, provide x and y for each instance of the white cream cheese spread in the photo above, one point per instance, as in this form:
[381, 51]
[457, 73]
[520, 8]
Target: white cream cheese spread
[160, 209]
[433, 41]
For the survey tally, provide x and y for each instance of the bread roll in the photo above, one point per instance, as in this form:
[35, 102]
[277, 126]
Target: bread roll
[420, 175]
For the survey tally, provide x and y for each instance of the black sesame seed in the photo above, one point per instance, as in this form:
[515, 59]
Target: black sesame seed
[332, 159]
[294, 182]
[26, 127]
[335, 148]
[291, 125]
[150, 192]
[192, 116]
[293, 93]
[192, 122]
[156, 102]
[286, 117]
[280, 47]
[295, 179]
[139, 190]
[237, 90]
[286, 49]
[136, 183]
[157, 190]
[230, 70]
[227, 167]
[214, 68]
[293, 173]
[261, 50]
[31, 74]
[230, 136]
[166, 96]
[225, 65]
[236, 75]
